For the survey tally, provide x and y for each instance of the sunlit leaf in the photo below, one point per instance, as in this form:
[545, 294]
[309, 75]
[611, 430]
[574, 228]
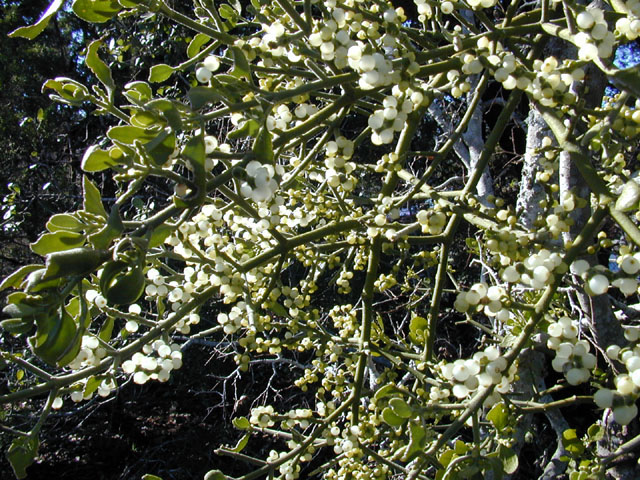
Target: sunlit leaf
[92, 200]
[97, 66]
[160, 73]
[34, 30]
[22, 453]
[196, 44]
[98, 11]
[54, 242]
[499, 416]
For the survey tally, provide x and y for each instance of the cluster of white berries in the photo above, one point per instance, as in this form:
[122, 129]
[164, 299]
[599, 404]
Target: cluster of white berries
[389, 119]
[629, 26]
[210, 65]
[271, 40]
[573, 358]
[93, 296]
[432, 221]
[376, 71]
[262, 416]
[339, 169]
[236, 319]
[289, 470]
[484, 369]
[536, 270]
[282, 117]
[479, 4]
[85, 390]
[594, 40]
[623, 399]
[90, 354]
[483, 298]
[345, 441]
[548, 85]
[597, 281]
[211, 144]
[261, 183]
[384, 282]
[155, 362]
[344, 281]
[297, 417]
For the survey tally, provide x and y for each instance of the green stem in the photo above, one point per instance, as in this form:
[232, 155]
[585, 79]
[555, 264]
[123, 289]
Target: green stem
[193, 25]
[542, 306]
[365, 328]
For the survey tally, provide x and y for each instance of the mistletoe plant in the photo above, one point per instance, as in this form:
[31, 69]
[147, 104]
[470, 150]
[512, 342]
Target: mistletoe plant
[311, 192]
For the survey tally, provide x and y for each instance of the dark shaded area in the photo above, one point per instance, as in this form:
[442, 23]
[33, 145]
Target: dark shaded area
[170, 430]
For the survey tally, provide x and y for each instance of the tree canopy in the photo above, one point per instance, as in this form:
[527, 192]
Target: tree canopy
[429, 212]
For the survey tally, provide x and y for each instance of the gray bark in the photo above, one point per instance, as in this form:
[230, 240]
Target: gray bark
[531, 191]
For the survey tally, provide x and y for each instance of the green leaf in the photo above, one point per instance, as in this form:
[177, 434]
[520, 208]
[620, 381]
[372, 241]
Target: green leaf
[572, 443]
[76, 261]
[196, 44]
[263, 146]
[241, 67]
[417, 435]
[19, 306]
[249, 128]
[17, 326]
[230, 14]
[499, 416]
[160, 73]
[55, 337]
[97, 11]
[15, 279]
[161, 147]
[496, 466]
[113, 228]
[138, 92]
[194, 152]
[241, 443]
[95, 160]
[400, 408]
[460, 448]
[237, 6]
[241, 423]
[595, 433]
[391, 419]
[32, 31]
[385, 391]
[215, 475]
[200, 96]
[278, 309]
[65, 221]
[160, 233]
[418, 330]
[509, 459]
[22, 453]
[446, 458]
[58, 241]
[34, 282]
[169, 109]
[69, 90]
[92, 200]
[98, 67]
[128, 134]
[227, 12]
[91, 386]
[144, 119]
[148, 476]
[107, 329]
